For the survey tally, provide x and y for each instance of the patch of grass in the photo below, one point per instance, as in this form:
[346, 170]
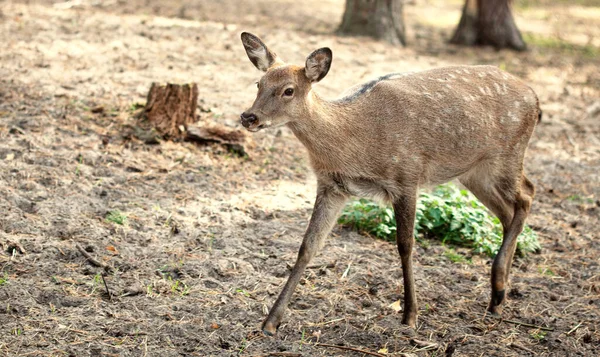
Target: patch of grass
[243, 292]
[579, 198]
[178, 286]
[556, 44]
[538, 335]
[524, 4]
[455, 257]
[135, 106]
[449, 214]
[3, 279]
[116, 217]
[96, 282]
[546, 271]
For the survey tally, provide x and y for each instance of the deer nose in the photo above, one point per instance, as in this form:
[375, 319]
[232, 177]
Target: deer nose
[248, 119]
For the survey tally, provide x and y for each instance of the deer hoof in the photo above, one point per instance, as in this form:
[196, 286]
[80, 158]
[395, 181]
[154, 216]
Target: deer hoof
[495, 307]
[269, 329]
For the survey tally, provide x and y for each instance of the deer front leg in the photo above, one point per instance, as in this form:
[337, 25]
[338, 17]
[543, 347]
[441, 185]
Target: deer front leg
[328, 205]
[404, 210]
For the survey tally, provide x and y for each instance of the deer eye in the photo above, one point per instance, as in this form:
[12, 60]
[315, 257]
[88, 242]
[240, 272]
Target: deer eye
[258, 85]
[288, 92]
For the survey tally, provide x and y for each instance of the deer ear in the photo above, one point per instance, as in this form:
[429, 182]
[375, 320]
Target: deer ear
[257, 52]
[318, 63]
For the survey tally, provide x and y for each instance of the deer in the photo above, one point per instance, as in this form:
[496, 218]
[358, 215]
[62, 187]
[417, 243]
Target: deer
[387, 138]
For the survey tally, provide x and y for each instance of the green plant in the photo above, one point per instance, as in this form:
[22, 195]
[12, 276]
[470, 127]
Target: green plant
[96, 282]
[117, 217]
[448, 213]
[538, 335]
[243, 292]
[178, 286]
[3, 279]
[455, 257]
[135, 106]
[371, 218]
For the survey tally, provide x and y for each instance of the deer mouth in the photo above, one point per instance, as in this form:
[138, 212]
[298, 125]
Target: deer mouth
[256, 128]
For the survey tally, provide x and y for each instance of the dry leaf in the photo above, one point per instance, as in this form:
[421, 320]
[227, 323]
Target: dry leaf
[112, 249]
[383, 350]
[317, 334]
[214, 325]
[396, 306]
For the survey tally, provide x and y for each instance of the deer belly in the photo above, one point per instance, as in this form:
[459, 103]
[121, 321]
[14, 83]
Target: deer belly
[362, 187]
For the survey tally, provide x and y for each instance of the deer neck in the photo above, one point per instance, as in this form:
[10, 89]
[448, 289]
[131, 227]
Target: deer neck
[326, 131]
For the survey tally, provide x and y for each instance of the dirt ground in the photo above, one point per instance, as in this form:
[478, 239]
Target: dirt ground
[208, 235]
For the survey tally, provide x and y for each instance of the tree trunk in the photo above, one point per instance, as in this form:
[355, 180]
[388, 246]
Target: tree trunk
[171, 108]
[381, 19]
[488, 22]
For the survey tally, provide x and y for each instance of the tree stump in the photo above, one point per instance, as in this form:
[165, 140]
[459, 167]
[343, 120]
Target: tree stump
[488, 22]
[381, 19]
[170, 108]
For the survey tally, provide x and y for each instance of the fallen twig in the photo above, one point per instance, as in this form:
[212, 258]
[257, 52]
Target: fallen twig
[285, 354]
[423, 345]
[106, 287]
[574, 328]
[93, 260]
[518, 323]
[350, 349]
[316, 266]
[522, 348]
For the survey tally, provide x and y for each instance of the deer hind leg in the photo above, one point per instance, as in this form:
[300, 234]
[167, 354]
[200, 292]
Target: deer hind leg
[510, 199]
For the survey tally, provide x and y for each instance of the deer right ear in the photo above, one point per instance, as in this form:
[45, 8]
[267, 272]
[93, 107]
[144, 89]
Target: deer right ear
[257, 52]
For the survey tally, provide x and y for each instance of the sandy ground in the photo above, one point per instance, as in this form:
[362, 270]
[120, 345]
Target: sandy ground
[208, 236]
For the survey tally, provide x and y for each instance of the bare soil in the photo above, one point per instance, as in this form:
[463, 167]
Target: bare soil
[208, 235]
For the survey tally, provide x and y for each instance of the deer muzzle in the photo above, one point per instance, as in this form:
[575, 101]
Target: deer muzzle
[249, 121]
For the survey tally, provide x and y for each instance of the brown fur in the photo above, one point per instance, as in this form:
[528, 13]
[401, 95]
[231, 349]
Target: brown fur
[392, 136]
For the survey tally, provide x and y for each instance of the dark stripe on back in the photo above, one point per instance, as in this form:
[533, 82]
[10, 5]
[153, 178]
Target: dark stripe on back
[367, 87]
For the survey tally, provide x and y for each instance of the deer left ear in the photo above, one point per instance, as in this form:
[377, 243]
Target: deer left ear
[317, 64]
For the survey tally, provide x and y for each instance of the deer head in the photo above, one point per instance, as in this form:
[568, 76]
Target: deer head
[284, 90]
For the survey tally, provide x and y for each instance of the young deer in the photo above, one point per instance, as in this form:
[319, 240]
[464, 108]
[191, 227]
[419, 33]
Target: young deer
[392, 135]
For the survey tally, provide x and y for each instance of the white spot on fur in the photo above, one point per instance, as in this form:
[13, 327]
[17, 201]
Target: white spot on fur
[465, 79]
[481, 74]
[497, 86]
[451, 75]
[467, 71]
[482, 90]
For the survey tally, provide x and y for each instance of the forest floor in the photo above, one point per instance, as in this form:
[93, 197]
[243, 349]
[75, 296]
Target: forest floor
[206, 236]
